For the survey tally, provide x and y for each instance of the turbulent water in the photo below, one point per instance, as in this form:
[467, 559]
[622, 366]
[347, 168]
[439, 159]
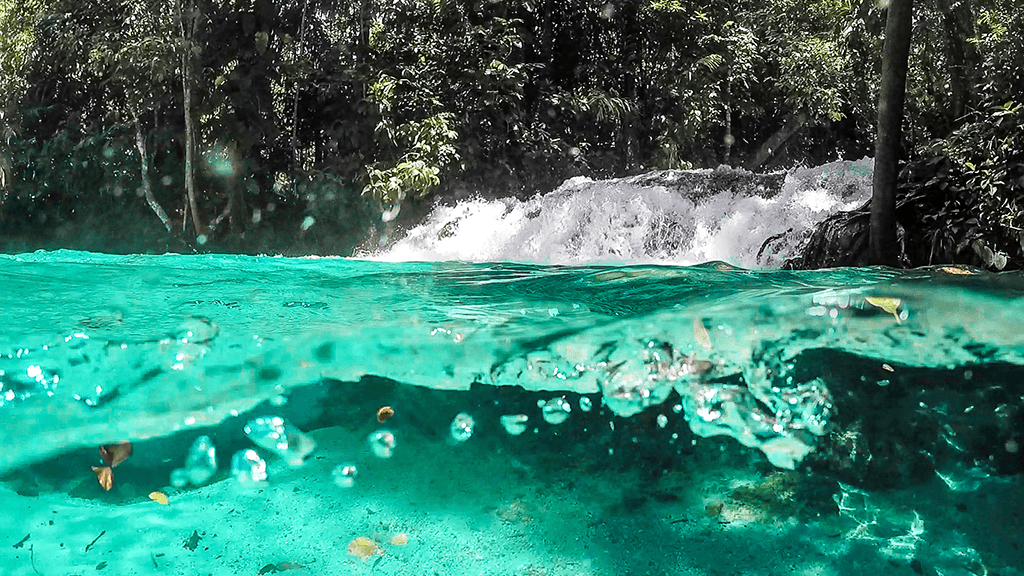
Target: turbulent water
[97, 348]
[673, 217]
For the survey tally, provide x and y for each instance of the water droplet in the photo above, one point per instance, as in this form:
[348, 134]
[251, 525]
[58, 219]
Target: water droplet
[462, 427]
[586, 404]
[662, 420]
[275, 434]
[556, 410]
[201, 462]
[248, 468]
[515, 424]
[344, 475]
[382, 443]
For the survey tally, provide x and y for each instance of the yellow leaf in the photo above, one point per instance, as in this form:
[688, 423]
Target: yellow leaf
[363, 547]
[700, 333]
[159, 498]
[890, 305]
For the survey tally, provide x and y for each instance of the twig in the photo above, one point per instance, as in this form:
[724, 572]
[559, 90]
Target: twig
[91, 544]
[32, 559]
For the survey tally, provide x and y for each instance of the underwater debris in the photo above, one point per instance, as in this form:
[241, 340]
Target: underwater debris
[399, 539]
[94, 540]
[112, 455]
[890, 305]
[363, 547]
[700, 334]
[384, 413]
[192, 542]
[159, 498]
[105, 476]
[280, 567]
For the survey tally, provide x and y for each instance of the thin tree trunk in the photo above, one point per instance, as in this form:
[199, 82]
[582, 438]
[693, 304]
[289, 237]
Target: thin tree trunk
[295, 102]
[895, 55]
[958, 22]
[189, 23]
[147, 188]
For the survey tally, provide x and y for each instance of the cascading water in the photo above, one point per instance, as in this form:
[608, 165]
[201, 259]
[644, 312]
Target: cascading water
[673, 217]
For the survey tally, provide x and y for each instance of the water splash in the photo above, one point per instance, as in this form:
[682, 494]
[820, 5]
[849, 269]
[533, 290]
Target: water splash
[672, 217]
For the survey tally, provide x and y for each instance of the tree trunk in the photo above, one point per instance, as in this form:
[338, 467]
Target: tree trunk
[895, 55]
[147, 188]
[189, 22]
[958, 22]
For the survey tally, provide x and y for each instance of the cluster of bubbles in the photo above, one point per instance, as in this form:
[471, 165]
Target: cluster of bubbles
[200, 464]
[279, 437]
[462, 427]
[382, 443]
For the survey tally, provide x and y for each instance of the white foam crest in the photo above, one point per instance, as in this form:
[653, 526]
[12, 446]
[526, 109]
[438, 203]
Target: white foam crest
[647, 220]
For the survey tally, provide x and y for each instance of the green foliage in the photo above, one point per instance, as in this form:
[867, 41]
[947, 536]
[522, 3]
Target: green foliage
[325, 106]
[431, 149]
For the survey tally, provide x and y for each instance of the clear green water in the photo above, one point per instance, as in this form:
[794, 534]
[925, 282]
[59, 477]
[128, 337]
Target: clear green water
[96, 349]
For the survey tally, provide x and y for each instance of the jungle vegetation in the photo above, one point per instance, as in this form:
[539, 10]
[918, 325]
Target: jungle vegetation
[309, 126]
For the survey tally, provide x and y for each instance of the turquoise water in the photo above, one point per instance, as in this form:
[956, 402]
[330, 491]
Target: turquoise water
[651, 395]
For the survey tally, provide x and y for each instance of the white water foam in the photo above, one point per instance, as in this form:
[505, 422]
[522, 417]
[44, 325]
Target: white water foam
[642, 220]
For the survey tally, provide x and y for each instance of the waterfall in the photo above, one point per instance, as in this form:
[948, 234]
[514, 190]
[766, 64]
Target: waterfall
[678, 217]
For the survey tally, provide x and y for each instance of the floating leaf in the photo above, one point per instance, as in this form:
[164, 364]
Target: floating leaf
[384, 413]
[159, 498]
[890, 305]
[114, 454]
[956, 271]
[105, 475]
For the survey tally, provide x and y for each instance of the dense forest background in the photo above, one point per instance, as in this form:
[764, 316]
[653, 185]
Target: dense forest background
[311, 126]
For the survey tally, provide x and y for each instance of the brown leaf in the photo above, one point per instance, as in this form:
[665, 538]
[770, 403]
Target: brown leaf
[105, 475]
[114, 454]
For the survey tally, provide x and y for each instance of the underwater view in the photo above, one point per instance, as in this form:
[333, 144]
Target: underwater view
[517, 388]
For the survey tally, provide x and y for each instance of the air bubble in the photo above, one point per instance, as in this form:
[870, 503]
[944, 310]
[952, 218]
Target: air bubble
[462, 427]
[556, 410]
[275, 434]
[248, 468]
[344, 475]
[515, 424]
[662, 420]
[382, 443]
[586, 404]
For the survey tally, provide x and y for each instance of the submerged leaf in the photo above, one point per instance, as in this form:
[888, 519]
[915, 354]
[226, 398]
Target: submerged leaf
[890, 305]
[114, 454]
[363, 547]
[105, 476]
